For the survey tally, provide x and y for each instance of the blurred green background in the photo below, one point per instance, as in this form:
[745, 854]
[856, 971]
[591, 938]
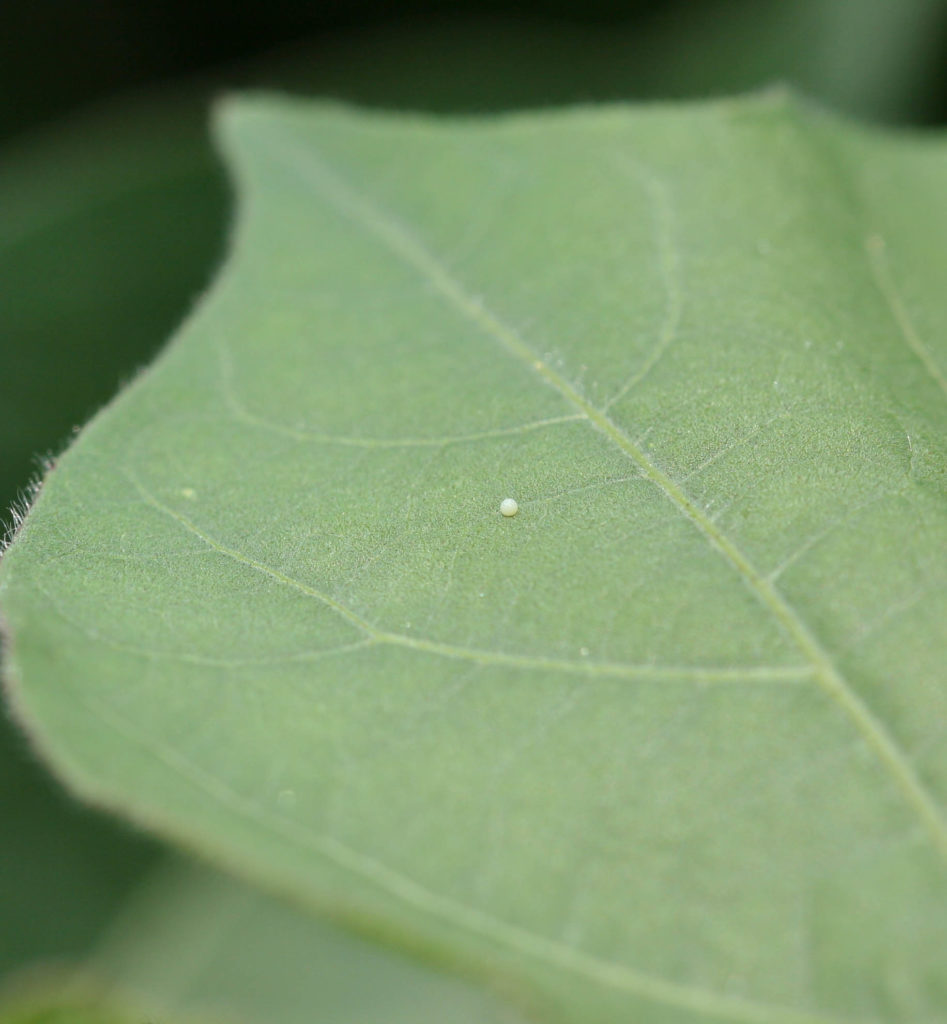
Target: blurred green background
[113, 212]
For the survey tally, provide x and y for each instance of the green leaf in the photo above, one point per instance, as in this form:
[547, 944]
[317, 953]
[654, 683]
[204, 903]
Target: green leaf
[55, 999]
[665, 745]
[194, 942]
[67, 1013]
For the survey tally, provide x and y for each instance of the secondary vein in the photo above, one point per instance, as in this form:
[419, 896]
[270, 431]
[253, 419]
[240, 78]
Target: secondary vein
[481, 656]
[875, 247]
[324, 182]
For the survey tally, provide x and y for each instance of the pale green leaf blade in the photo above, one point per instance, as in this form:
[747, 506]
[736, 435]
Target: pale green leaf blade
[664, 746]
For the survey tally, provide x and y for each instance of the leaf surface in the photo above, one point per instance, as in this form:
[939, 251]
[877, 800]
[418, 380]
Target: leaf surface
[664, 746]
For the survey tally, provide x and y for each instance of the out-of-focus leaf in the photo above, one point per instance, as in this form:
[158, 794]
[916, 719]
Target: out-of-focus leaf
[879, 58]
[872, 58]
[109, 228]
[51, 998]
[195, 942]
[109, 231]
[64, 1013]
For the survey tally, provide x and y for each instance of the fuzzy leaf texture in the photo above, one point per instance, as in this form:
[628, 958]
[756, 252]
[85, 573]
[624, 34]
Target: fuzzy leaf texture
[666, 746]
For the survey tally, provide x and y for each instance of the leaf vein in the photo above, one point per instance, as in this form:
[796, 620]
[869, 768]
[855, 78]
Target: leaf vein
[240, 412]
[326, 183]
[876, 249]
[669, 262]
[594, 669]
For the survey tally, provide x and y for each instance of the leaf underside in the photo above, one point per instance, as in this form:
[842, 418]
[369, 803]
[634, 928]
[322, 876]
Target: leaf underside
[666, 745]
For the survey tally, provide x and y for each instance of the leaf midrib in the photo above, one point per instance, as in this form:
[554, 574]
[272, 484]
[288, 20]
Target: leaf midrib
[327, 185]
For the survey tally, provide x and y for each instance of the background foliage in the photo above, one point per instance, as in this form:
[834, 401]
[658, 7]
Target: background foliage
[114, 213]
